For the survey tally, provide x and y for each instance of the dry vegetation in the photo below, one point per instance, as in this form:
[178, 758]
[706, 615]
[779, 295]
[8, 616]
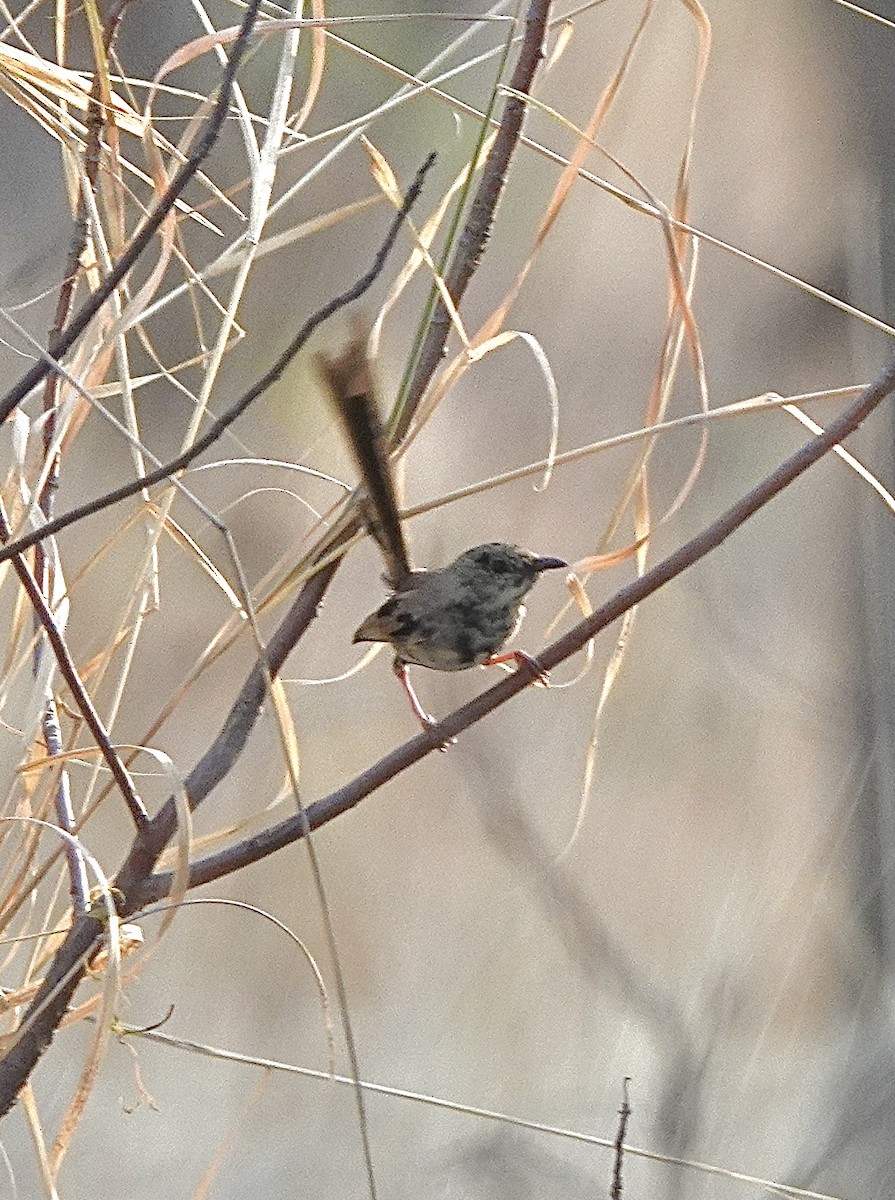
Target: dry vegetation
[178, 704]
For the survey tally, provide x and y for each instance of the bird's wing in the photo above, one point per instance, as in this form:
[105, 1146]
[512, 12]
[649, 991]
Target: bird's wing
[350, 384]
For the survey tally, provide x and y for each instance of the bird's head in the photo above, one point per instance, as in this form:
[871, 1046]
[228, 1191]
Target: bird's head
[506, 567]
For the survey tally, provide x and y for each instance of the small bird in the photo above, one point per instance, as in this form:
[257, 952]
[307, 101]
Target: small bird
[449, 619]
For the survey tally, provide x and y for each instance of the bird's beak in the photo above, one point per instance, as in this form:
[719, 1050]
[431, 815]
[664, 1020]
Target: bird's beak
[549, 564]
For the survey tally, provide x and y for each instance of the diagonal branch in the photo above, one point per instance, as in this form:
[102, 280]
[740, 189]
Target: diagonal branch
[138, 887]
[340, 801]
[471, 242]
[69, 673]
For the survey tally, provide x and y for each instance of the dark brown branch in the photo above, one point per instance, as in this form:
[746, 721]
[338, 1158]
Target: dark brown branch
[399, 760]
[95, 124]
[471, 243]
[223, 422]
[615, 1191]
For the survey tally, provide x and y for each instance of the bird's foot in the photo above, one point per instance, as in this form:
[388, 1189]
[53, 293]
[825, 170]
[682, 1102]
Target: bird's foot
[428, 722]
[541, 676]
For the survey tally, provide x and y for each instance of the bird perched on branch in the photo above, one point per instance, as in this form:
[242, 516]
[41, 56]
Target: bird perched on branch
[448, 619]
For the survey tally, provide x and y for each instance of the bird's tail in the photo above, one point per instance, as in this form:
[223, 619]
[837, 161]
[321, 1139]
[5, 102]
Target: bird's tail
[349, 380]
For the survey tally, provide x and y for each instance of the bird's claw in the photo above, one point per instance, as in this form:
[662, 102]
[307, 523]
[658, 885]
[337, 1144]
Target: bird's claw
[541, 675]
[429, 724]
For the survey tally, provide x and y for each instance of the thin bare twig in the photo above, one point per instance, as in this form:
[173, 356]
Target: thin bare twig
[615, 1192]
[43, 568]
[69, 673]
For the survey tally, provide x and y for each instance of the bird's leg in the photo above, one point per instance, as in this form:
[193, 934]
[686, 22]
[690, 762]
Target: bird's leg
[419, 712]
[427, 721]
[542, 679]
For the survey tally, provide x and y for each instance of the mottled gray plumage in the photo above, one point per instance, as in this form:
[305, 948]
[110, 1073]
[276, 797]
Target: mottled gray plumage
[462, 614]
[448, 619]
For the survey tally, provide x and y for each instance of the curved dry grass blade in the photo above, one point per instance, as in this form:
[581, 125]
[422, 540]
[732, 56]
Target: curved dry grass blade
[183, 837]
[756, 404]
[318, 63]
[586, 143]
[35, 1128]
[420, 255]
[65, 85]
[849, 459]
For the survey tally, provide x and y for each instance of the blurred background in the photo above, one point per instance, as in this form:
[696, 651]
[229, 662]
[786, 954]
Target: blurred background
[713, 916]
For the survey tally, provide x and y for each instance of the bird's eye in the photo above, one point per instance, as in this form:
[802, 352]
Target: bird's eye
[406, 624]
